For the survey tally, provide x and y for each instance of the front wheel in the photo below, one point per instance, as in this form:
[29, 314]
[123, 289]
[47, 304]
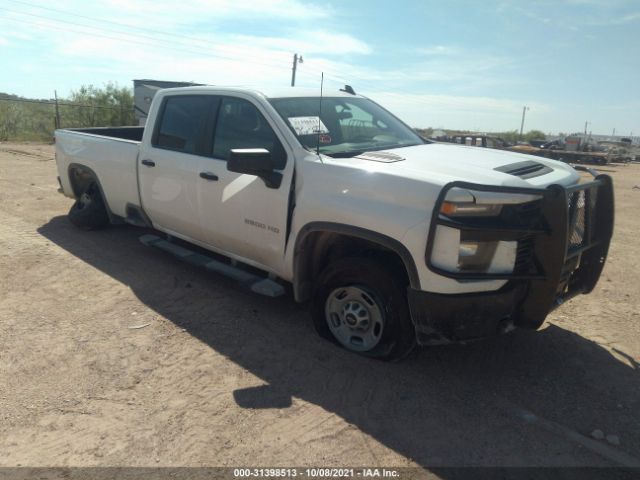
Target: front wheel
[361, 304]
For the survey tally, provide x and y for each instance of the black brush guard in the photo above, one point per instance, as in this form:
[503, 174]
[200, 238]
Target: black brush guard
[563, 242]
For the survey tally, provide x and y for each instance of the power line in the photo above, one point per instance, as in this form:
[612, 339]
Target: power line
[193, 49]
[100, 20]
[200, 43]
[128, 40]
[330, 73]
[99, 28]
[17, 12]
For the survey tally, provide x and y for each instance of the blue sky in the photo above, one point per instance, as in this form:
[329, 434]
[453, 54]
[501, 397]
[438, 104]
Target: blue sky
[454, 64]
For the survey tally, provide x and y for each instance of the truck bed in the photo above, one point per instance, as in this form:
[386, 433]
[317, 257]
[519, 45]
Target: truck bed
[111, 153]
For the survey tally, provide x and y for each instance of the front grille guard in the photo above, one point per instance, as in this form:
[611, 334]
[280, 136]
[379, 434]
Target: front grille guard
[567, 242]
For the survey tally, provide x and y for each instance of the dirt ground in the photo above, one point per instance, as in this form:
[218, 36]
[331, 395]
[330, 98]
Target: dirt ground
[224, 377]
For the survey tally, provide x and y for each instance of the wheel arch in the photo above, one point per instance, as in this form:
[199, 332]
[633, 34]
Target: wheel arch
[317, 243]
[80, 177]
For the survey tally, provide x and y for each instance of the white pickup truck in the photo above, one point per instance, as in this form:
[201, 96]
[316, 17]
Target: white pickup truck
[394, 239]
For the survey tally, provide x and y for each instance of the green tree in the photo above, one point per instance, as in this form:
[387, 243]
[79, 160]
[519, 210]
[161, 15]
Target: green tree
[34, 119]
[25, 120]
[511, 136]
[9, 119]
[534, 135]
[424, 132]
[110, 106]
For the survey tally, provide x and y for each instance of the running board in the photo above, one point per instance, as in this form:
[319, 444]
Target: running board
[256, 283]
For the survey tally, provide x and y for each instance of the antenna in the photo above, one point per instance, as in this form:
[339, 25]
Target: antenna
[319, 115]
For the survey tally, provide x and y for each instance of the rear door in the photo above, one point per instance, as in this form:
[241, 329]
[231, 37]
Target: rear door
[169, 165]
[238, 212]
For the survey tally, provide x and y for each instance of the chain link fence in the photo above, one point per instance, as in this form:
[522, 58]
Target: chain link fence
[25, 119]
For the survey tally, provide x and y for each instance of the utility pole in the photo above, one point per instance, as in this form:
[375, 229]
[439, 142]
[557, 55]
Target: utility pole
[585, 126]
[524, 110]
[55, 93]
[296, 59]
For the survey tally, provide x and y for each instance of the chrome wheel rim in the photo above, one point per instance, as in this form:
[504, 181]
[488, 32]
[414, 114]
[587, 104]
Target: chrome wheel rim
[355, 318]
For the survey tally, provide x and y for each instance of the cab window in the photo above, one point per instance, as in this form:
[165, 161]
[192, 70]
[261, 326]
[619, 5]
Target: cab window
[183, 124]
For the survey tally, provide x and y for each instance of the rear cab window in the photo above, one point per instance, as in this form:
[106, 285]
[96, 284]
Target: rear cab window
[184, 122]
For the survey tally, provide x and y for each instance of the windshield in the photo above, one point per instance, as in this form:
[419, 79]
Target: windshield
[346, 127]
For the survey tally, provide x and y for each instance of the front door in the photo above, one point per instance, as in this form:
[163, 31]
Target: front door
[238, 213]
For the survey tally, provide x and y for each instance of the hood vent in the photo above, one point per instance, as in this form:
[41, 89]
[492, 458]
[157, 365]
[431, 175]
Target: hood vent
[528, 169]
[384, 157]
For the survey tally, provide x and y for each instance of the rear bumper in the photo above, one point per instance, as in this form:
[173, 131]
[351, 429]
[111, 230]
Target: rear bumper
[561, 252]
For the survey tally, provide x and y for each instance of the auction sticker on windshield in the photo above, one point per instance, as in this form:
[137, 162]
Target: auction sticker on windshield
[307, 125]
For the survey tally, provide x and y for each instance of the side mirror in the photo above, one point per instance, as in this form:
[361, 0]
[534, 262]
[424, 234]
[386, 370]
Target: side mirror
[255, 161]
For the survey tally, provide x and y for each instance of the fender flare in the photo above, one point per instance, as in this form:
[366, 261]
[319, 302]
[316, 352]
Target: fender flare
[113, 218]
[362, 233]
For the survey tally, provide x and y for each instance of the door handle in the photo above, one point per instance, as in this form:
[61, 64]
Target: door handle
[148, 163]
[209, 176]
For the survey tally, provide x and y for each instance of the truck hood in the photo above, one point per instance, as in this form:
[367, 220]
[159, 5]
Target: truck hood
[443, 163]
[399, 187]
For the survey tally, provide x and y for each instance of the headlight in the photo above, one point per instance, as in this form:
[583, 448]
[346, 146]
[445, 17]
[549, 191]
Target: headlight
[470, 209]
[476, 256]
[476, 231]
[456, 252]
[461, 202]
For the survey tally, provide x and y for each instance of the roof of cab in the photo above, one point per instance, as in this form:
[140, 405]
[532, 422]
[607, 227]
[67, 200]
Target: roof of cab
[268, 93]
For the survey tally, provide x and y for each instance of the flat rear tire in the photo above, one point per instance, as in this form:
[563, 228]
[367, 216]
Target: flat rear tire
[89, 211]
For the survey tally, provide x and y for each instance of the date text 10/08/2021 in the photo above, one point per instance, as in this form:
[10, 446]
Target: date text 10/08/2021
[316, 472]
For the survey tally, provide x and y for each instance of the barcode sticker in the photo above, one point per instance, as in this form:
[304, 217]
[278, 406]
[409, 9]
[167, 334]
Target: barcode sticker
[308, 125]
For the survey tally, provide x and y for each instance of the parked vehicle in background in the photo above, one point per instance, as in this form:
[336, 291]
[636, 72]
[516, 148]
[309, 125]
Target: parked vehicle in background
[572, 149]
[475, 140]
[538, 143]
[619, 152]
[393, 240]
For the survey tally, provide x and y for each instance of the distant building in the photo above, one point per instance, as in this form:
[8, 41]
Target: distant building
[145, 90]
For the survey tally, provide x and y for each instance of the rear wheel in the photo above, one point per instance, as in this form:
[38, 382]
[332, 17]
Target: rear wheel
[89, 211]
[361, 305]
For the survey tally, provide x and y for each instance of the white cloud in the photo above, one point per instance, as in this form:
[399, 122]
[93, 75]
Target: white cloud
[4, 41]
[616, 20]
[600, 3]
[308, 42]
[438, 50]
[588, 13]
[479, 113]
